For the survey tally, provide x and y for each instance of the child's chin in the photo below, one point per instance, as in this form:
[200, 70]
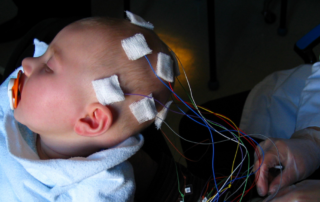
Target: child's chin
[17, 116]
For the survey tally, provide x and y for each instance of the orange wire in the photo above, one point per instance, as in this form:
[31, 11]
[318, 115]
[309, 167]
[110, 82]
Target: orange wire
[249, 140]
[176, 148]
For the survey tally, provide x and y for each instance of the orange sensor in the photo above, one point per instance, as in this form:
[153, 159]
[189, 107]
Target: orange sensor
[14, 91]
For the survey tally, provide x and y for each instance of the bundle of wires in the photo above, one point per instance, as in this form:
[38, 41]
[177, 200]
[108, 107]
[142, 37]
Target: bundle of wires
[220, 186]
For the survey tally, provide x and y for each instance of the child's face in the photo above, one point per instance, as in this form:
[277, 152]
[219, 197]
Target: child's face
[55, 86]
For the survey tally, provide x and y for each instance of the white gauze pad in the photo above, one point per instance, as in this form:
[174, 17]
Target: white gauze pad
[164, 67]
[108, 90]
[144, 110]
[161, 116]
[135, 47]
[137, 20]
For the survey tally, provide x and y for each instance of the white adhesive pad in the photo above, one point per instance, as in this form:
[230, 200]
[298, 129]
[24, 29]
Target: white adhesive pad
[135, 47]
[108, 90]
[137, 20]
[175, 64]
[144, 110]
[161, 116]
[164, 67]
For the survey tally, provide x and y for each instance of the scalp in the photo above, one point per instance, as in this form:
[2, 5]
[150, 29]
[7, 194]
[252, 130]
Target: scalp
[135, 77]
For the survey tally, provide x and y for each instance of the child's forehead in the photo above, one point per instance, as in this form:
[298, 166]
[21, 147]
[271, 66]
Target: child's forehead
[88, 40]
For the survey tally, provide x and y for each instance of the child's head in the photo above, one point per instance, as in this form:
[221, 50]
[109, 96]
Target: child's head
[57, 97]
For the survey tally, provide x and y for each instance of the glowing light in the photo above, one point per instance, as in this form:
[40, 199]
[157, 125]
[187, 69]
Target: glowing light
[182, 49]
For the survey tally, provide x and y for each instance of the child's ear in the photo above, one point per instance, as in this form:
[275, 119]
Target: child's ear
[97, 120]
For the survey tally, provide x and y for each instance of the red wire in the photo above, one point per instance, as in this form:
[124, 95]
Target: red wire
[176, 148]
[249, 140]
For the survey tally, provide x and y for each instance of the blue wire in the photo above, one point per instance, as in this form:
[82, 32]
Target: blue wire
[195, 114]
[258, 167]
[227, 131]
[253, 141]
[210, 129]
[230, 131]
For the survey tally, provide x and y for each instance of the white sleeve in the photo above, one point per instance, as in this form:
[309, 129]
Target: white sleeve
[308, 114]
[271, 106]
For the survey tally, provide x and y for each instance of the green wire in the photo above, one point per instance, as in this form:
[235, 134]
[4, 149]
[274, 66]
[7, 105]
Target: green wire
[178, 181]
[209, 194]
[248, 171]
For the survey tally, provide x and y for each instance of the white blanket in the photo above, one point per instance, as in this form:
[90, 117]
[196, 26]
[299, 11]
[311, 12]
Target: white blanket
[102, 176]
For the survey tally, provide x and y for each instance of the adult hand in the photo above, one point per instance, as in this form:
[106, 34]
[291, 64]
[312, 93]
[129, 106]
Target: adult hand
[299, 156]
[307, 190]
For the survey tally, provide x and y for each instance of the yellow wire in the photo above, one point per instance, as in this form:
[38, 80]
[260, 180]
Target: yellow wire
[234, 159]
[216, 194]
[224, 117]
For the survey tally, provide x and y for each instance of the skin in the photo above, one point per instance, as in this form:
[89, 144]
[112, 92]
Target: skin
[59, 104]
[300, 158]
[307, 190]
[57, 98]
[54, 96]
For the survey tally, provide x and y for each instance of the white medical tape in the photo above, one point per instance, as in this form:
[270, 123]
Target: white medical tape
[164, 67]
[144, 110]
[108, 90]
[161, 116]
[137, 20]
[135, 46]
[175, 64]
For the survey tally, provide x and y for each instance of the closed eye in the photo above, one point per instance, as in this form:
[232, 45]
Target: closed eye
[47, 69]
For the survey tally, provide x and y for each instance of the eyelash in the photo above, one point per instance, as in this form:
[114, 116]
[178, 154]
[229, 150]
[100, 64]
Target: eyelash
[47, 69]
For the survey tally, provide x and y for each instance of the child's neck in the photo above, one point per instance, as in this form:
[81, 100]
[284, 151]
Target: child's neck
[52, 151]
[45, 152]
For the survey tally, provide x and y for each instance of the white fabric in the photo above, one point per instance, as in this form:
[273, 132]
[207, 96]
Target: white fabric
[165, 67]
[135, 47]
[10, 93]
[144, 109]
[39, 48]
[161, 116]
[284, 102]
[137, 20]
[102, 176]
[108, 90]
[309, 108]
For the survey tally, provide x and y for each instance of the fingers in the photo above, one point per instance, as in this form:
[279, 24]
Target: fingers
[263, 173]
[270, 159]
[262, 182]
[283, 180]
[281, 195]
[307, 190]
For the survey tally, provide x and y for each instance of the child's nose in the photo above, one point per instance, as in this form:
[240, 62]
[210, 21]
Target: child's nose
[28, 65]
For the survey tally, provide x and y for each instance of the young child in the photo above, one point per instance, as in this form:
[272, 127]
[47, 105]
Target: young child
[80, 108]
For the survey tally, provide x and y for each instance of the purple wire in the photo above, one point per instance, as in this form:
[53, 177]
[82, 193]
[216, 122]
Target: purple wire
[193, 117]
